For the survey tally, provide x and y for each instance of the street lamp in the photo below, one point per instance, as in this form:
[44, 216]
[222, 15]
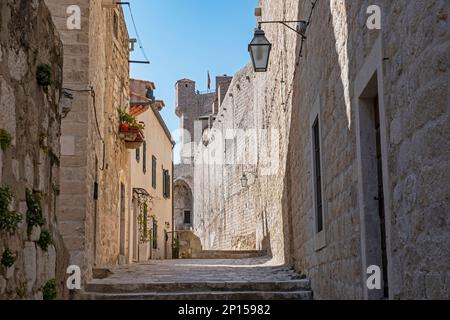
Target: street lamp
[244, 181]
[259, 48]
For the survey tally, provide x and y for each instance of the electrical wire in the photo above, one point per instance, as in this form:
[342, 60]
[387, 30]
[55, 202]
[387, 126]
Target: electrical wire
[137, 32]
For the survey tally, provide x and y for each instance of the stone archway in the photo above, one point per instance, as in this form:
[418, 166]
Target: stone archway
[183, 205]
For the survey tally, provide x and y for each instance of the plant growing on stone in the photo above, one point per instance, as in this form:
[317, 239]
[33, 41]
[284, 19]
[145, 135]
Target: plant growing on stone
[49, 290]
[45, 240]
[9, 220]
[5, 139]
[175, 248]
[34, 212]
[44, 75]
[21, 291]
[144, 229]
[8, 258]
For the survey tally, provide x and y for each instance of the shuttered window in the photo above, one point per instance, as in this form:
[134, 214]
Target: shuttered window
[144, 157]
[155, 234]
[154, 172]
[166, 184]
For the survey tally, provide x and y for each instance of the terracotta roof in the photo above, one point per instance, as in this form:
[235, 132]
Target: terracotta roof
[136, 110]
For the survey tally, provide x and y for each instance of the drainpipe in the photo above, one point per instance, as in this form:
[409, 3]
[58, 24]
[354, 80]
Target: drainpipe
[173, 196]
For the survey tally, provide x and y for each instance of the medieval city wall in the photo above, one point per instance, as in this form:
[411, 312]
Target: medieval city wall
[344, 68]
[335, 81]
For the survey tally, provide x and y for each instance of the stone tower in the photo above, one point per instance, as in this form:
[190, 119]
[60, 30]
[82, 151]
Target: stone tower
[185, 102]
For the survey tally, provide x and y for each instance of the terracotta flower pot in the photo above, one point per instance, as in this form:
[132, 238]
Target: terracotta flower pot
[124, 127]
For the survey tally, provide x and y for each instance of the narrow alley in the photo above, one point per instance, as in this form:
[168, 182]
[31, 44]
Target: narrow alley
[224, 150]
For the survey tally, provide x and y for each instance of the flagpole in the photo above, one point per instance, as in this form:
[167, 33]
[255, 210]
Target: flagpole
[209, 82]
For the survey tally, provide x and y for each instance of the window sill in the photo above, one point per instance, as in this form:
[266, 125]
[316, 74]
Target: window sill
[320, 240]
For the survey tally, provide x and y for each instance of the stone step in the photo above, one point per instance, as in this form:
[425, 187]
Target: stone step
[228, 254]
[214, 295]
[222, 286]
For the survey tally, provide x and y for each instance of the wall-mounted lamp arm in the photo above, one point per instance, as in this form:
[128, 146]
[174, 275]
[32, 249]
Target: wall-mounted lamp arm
[285, 23]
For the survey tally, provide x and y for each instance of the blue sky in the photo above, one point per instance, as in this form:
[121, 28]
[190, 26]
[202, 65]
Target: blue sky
[185, 39]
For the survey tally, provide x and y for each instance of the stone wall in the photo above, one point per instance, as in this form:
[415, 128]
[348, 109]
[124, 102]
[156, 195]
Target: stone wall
[30, 114]
[344, 72]
[228, 216]
[336, 79]
[96, 73]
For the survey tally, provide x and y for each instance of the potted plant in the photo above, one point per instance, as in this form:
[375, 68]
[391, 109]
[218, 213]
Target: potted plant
[130, 130]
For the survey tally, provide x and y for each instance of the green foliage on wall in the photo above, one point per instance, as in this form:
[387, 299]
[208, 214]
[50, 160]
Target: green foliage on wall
[9, 220]
[49, 290]
[8, 258]
[5, 139]
[34, 212]
[45, 240]
[44, 75]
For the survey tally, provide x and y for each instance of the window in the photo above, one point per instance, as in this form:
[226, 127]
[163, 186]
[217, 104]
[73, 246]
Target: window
[317, 176]
[187, 216]
[144, 157]
[155, 234]
[116, 25]
[166, 184]
[138, 155]
[154, 172]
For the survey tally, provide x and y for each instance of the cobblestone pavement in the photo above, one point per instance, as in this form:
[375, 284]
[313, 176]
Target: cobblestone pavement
[202, 270]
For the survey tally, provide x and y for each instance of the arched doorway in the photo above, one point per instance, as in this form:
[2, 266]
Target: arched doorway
[183, 206]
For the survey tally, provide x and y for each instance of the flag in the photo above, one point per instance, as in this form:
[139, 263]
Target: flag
[209, 81]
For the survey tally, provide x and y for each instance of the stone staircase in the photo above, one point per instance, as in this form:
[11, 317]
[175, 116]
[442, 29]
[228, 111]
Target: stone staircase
[200, 279]
[235, 290]
[227, 254]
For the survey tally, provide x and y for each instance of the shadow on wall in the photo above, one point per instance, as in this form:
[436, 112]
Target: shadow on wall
[266, 242]
[322, 73]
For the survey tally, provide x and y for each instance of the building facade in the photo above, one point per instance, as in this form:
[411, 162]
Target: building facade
[33, 255]
[95, 198]
[151, 229]
[345, 157]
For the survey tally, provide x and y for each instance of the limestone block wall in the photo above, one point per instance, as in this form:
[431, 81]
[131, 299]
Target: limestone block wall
[96, 72]
[344, 72]
[224, 215]
[111, 59]
[409, 56]
[30, 114]
[417, 119]
[237, 218]
[75, 204]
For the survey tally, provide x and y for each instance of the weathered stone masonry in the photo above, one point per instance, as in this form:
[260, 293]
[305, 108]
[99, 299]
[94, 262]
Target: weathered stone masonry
[30, 114]
[95, 58]
[345, 72]
[409, 56]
